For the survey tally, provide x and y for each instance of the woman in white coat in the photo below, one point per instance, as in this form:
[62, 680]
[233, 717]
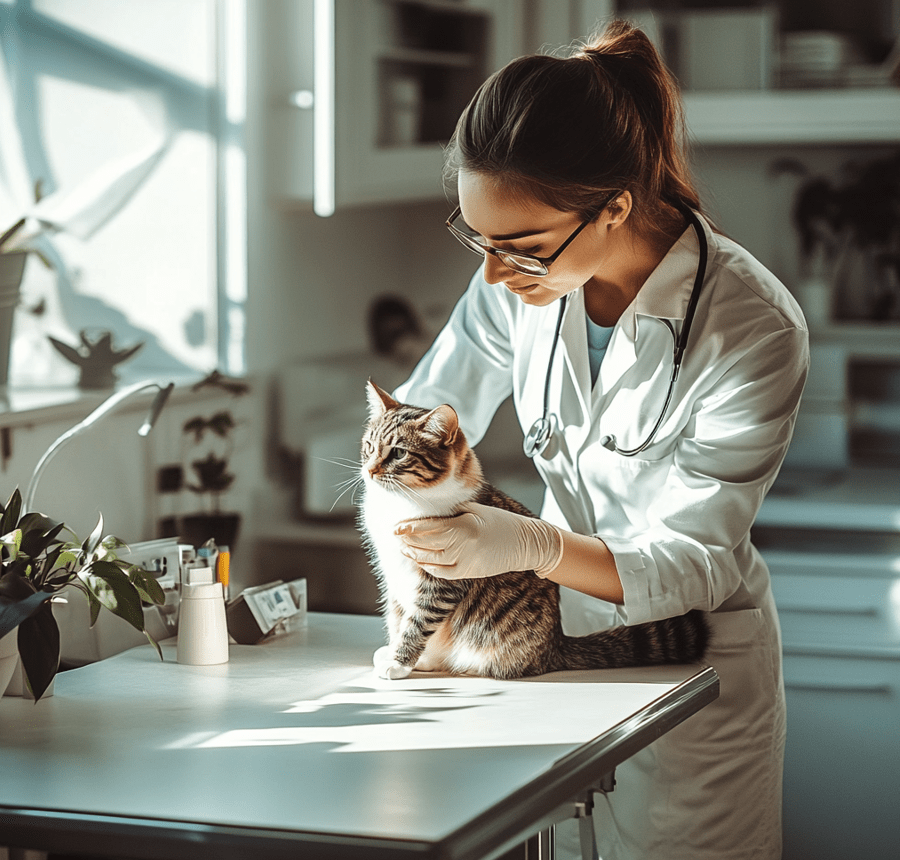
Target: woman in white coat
[574, 188]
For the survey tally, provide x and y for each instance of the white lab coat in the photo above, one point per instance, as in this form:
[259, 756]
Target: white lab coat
[676, 517]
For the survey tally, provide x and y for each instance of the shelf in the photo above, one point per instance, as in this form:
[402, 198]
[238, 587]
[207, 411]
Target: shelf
[862, 499]
[30, 406]
[794, 116]
[425, 57]
[860, 339]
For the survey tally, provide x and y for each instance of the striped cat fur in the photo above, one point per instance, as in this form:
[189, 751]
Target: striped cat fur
[417, 463]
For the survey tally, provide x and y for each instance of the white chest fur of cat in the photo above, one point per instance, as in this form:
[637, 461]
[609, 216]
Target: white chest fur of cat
[382, 511]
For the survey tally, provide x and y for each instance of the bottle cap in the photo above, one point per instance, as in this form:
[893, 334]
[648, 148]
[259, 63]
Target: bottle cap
[199, 575]
[203, 591]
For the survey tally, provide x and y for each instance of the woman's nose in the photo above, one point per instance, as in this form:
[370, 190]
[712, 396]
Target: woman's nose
[494, 270]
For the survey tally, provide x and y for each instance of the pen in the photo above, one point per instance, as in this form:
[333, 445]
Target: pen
[223, 568]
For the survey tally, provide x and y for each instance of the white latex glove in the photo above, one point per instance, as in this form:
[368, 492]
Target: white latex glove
[482, 541]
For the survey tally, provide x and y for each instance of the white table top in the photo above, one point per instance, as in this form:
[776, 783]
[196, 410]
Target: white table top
[295, 748]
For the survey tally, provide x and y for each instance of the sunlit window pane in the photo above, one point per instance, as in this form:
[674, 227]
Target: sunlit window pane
[169, 34]
[103, 84]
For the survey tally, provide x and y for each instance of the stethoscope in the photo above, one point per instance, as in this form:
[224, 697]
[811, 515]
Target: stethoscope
[541, 431]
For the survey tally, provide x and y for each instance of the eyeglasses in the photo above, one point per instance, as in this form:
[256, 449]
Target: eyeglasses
[526, 264]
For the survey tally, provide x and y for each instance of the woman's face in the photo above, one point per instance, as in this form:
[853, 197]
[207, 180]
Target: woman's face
[514, 222]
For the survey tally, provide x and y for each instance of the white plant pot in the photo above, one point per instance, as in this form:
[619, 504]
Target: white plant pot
[12, 266]
[9, 658]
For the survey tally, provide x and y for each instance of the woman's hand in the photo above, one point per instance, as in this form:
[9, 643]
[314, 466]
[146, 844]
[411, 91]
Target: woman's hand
[479, 542]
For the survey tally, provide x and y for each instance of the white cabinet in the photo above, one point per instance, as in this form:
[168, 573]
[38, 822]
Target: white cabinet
[835, 565]
[362, 95]
[842, 758]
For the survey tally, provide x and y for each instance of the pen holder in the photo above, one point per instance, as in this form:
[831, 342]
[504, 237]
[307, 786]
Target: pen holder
[202, 632]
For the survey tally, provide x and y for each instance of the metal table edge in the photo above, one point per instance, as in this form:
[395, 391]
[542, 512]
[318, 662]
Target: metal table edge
[516, 818]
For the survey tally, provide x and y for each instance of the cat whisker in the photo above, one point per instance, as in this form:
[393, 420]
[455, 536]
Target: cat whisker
[352, 485]
[343, 462]
[409, 492]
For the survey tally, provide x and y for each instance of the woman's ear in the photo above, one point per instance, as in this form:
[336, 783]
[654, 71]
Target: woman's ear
[618, 210]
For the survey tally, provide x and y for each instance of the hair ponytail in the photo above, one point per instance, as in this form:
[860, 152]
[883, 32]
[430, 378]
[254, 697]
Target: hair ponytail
[571, 130]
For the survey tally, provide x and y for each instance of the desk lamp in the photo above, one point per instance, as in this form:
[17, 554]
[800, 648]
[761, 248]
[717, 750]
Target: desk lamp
[104, 408]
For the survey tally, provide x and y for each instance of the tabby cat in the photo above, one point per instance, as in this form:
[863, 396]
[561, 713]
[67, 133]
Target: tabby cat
[416, 463]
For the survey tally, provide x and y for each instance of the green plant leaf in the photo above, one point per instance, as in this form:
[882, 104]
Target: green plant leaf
[38, 533]
[114, 590]
[197, 426]
[39, 649]
[222, 423]
[21, 567]
[94, 606]
[13, 543]
[15, 612]
[59, 579]
[155, 644]
[94, 539]
[66, 558]
[67, 352]
[111, 542]
[14, 585]
[13, 509]
[147, 585]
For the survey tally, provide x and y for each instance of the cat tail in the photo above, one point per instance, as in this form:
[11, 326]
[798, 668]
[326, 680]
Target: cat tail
[682, 639]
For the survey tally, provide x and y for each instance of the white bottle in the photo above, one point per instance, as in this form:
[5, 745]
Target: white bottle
[202, 631]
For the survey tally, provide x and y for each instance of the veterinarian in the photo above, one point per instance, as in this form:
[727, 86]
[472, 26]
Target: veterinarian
[656, 369]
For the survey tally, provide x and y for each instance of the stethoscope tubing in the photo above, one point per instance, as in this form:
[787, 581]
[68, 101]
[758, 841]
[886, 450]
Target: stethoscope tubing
[539, 436]
[559, 322]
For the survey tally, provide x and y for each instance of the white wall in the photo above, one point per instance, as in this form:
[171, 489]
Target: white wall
[311, 279]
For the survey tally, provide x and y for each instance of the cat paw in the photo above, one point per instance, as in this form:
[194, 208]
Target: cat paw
[387, 667]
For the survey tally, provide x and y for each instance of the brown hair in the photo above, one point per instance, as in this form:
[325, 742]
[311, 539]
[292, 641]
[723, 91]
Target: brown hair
[572, 130]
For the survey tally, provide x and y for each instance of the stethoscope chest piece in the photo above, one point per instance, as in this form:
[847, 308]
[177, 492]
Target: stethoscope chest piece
[538, 437]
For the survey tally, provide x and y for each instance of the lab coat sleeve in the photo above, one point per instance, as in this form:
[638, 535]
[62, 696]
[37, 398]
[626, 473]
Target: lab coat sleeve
[724, 463]
[469, 365]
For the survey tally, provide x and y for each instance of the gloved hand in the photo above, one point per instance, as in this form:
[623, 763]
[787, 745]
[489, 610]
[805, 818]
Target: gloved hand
[482, 541]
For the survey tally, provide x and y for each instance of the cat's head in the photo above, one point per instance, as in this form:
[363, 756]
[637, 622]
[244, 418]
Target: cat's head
[407, 446]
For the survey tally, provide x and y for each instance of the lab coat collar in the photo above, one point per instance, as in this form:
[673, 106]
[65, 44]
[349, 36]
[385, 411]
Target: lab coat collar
[573, 339]
[665, 294]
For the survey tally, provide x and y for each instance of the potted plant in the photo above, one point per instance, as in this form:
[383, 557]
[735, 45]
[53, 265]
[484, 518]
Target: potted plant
[12, 268]
[210, 446]
[852, 227]
[36, 563]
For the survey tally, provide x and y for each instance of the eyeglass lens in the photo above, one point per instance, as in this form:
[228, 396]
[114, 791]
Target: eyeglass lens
[518, 262]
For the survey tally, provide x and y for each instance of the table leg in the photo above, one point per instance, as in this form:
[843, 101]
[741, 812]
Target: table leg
[542, 846]
[586, 836]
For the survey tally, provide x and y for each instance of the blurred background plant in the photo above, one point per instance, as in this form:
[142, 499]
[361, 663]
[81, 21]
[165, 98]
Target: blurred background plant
[850, 228]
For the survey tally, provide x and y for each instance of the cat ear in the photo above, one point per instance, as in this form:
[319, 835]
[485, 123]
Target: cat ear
[443, 423]
[379, 401]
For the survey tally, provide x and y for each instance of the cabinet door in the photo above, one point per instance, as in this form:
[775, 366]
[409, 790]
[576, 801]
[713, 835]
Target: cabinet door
[365, 120]
[838, 615]
[841, 796]
[404, 72]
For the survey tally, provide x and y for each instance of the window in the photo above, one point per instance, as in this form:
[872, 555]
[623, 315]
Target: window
[130, 114]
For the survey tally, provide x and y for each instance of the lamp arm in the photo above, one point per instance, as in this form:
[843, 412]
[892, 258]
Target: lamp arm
[104, 408]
